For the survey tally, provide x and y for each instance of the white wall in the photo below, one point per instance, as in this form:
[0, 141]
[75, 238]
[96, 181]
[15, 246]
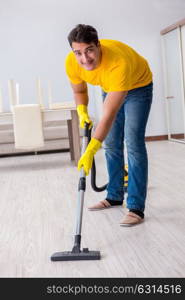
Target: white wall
[34, 42]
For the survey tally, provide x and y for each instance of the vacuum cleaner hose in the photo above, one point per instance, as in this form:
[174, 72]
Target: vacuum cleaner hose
[93, 172]
[93, 180]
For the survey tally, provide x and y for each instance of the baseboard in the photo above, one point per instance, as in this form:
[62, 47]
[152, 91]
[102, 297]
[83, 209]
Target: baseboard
[156, 138]
[49, 145]
[177, 136]
[34, 153]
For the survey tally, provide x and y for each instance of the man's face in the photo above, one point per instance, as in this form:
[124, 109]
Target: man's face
[87, 55]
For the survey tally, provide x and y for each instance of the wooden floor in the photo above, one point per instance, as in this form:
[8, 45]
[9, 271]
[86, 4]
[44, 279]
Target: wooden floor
[37, 218]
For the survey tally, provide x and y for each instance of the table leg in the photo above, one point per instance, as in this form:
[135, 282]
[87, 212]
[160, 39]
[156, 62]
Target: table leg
[75, 134]
[71, 146]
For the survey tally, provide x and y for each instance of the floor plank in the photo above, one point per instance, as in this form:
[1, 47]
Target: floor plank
[37, 218]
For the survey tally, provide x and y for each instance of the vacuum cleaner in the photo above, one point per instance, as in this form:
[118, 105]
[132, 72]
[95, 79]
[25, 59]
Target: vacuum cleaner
[76, 253]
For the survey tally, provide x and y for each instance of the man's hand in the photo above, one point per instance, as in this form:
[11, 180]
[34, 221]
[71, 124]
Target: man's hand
[83, 116]
[86, 159]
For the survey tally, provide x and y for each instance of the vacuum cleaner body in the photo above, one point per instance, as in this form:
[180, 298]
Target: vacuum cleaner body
[125, 178]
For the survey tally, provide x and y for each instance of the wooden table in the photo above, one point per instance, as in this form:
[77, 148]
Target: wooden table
[67, 114]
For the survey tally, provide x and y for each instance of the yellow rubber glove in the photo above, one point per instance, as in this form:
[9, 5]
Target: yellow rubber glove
[86, 159]
[83, 116]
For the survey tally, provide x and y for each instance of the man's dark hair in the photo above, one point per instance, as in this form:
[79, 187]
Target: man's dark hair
[83, 34]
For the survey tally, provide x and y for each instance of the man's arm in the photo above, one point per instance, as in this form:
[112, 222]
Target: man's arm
[111, 105]
[81, 99]
[80, 93]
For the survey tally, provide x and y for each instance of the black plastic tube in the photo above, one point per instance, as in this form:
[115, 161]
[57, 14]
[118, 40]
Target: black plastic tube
[93, 172]
[93, 180]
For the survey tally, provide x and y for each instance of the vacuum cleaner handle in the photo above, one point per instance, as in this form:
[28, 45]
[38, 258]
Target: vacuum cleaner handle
[77, 253]
[85, 141]
[81, 190]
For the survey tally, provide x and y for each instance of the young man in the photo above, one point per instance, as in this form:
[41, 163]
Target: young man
[126, 81]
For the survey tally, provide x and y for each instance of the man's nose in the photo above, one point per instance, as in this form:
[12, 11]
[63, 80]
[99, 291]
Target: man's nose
[84, 57]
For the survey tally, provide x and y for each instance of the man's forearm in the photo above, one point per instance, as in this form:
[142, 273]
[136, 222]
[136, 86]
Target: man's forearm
[103, 128]
[81, 98]
[111, 106]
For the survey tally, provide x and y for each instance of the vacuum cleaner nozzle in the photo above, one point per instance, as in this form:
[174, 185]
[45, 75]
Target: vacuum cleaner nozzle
[85, 254]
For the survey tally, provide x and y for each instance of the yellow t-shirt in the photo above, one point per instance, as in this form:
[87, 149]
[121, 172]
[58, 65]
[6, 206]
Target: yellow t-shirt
[121, 68]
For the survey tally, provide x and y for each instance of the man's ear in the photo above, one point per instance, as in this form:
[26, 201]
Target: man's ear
[98, 45]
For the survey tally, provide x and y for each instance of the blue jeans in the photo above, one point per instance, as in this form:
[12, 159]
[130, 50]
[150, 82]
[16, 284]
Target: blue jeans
[129, 126]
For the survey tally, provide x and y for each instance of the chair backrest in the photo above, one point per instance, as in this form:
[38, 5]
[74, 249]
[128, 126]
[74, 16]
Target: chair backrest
[1, 101]
[13, 89]
[49, 94]
[14, 97]
[39, 93]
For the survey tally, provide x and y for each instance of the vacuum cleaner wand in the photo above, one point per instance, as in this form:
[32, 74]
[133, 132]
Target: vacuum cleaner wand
[77, 253]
